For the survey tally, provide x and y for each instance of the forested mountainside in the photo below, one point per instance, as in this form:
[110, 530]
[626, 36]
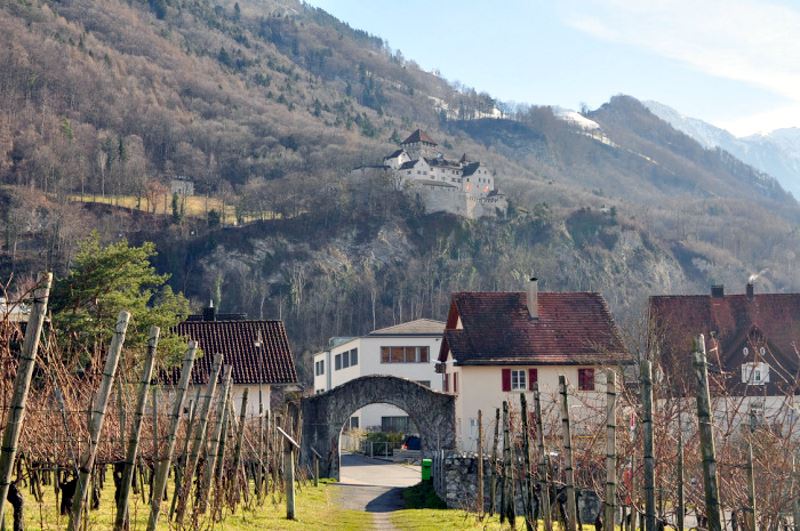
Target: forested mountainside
[267, 105]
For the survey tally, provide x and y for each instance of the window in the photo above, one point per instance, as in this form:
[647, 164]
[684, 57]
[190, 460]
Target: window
[586, 379]
[755, 373]
[394, 424]
[518, 381]
[319, 367]
[345, 360]
[354, 357]
[338, 361]
[404, 354]
[354, 422]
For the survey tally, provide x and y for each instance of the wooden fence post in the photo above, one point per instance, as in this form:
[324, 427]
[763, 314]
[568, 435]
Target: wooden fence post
[133, 441]
[480, 463]
[162, 467]
[705, 428]
[288, 457]
[647, 437]
[185, 488]
[544, 485]
[98, 415]
[572, 509]
[530, 523]
[611, 449]
[22, 384]
[206, 479]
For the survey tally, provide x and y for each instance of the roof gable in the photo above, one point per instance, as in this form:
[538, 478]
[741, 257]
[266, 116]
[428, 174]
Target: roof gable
[418, 136]
[572, 328]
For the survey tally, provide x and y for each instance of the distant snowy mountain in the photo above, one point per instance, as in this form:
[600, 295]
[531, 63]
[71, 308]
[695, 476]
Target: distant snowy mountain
[777, 153]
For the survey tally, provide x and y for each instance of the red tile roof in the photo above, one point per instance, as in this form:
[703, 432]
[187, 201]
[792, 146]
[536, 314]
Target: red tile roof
[573, 328]
[730, 323]
[271, 363]
[418, 136]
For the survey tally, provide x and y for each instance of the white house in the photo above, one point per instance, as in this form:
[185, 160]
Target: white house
[407, 350]
[496, 344]
[258, 351]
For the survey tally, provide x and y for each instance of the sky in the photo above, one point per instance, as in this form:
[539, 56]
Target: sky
[733, 63]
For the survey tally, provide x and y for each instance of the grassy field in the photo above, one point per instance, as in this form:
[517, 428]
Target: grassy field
[315, 509]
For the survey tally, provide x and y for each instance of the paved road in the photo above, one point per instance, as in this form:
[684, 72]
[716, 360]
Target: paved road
[374, 486]
[360, 470]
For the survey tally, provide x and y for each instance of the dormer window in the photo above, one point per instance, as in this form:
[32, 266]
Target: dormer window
[755, 373]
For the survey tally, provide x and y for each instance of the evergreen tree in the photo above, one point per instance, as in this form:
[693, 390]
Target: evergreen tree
[105, 280]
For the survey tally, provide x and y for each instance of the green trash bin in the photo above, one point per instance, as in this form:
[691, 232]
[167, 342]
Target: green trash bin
[426, 469]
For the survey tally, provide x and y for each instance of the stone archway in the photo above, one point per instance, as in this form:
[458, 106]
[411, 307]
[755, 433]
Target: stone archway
[325, 414]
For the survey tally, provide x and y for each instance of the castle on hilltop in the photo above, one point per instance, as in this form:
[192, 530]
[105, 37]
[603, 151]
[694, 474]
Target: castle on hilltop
[462, 187]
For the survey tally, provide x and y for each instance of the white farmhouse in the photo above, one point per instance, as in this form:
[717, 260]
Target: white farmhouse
[407, 350]
[497, 344]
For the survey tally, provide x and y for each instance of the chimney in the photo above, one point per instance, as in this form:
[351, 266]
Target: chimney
[210, 314]
[749, 290]
[717, 290]
[533, 298]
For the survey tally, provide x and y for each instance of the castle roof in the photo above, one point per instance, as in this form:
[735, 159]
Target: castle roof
[418, 136]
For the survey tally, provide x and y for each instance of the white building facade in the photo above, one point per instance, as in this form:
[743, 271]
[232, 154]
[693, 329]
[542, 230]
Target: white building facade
[407, 350]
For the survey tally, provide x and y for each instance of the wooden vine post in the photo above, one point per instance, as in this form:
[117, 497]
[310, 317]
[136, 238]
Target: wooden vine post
[530, 523]
[611, 449]
[572, 509]
[184, 489]
[22, 384]
[679, 520]
[493, 484]
[98, 415]
[133, 441]
[544, 487]
[480, 463]
[507, 509]
[315, 470]
[162, 467]
[206, 479]
[706, 432]
[237, 449]
[288, 465]
[647, 437]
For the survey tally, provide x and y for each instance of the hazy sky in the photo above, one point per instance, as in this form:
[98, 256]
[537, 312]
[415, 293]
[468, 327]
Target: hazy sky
[734, 63]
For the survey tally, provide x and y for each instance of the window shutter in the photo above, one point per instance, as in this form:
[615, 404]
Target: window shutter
[455, 383]
[446, 383]
[506, 379]
[533, 377]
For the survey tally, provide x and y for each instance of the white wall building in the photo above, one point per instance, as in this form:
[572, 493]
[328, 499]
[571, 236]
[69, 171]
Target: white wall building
[406, 350]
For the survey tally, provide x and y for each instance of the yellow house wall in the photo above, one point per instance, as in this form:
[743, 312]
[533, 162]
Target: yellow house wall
[480, 388]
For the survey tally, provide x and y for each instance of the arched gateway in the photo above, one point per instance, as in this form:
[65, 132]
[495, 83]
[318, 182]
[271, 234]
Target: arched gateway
[324, 415]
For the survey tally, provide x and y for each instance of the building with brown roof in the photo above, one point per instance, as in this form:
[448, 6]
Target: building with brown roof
[497, 344]
[752, 342]
[258, 351]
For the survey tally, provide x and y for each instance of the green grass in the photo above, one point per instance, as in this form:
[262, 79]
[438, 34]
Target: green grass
[315, 509]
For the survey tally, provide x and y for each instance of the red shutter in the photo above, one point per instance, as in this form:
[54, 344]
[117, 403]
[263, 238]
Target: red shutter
[506, 379]
[455, 383]
[533, 377]
[447, 383]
